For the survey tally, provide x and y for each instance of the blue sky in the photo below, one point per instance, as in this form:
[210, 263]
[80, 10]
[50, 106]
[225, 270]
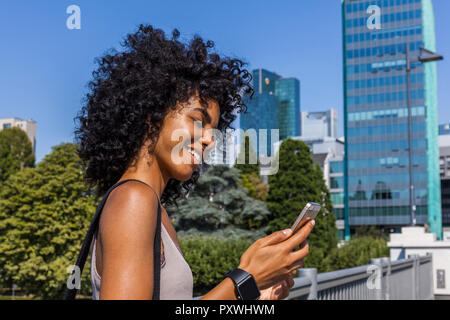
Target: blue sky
[45, 67]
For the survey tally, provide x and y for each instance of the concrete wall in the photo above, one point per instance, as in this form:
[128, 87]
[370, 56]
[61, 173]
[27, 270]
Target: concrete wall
[414, 240]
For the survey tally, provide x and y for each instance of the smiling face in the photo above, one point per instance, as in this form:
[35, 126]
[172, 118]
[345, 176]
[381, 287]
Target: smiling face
[185, 134]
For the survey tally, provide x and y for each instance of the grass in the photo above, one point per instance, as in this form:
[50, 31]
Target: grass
[8, 297]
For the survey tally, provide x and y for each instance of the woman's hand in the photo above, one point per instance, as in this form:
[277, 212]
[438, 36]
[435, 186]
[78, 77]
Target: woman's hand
[272, 259]
[280, 290]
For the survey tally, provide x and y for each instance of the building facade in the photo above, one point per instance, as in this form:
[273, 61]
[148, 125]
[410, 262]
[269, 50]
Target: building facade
[337, 192]
[444, 129]
[287, 91]
[376, 115]
[275, 105]
[444, 163]
[29, 126]
[319, 124]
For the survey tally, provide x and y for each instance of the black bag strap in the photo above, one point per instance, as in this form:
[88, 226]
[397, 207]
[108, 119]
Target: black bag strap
[84, 252]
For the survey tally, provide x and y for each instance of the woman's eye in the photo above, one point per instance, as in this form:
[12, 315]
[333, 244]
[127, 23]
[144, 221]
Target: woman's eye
[198, 123]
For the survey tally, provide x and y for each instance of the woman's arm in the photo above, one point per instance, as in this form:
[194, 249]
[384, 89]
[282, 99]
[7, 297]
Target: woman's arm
[270, 260]
[127, 231]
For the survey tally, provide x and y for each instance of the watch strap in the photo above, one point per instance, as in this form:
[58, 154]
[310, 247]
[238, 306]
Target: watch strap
[240, 277]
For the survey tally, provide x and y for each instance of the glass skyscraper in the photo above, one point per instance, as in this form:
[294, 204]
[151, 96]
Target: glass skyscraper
[376, 115]
[288, 93]
[275, 105]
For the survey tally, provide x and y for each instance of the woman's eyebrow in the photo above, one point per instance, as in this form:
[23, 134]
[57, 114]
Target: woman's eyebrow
[205, 114]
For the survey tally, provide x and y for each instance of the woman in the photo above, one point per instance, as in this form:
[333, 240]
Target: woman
[138, 99]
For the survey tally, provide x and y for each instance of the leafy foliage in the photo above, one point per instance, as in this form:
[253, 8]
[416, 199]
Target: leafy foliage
[44, 215]
[356, 252]
[16, 152]
[297, 182]
[247, 161]
[218, 206]
[370, 231]
[210, 258]
[256, 188]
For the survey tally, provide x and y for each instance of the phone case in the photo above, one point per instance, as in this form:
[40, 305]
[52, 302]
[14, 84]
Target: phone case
[309, 211]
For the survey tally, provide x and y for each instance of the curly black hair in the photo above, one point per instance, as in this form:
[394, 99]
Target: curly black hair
[133, 90]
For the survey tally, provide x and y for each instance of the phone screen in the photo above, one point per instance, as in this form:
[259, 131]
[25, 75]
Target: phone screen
[308, 213]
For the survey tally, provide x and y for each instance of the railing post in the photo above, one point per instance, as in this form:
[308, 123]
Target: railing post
[379, 280]
[431, 278]
[387, 278]
[311, 274]
[415, 271]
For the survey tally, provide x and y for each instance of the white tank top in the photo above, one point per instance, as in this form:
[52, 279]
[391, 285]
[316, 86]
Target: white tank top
[176, 281]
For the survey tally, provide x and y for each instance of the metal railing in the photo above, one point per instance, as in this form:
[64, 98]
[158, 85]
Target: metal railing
[382, 279]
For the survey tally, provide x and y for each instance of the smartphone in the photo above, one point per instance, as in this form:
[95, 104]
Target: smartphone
[308, 213]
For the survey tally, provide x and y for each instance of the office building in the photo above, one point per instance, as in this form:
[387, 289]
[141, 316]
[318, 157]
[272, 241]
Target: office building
[319, 124]
[275, 105]
[444, 163]
[376, 116]
[337, 191]
[264, 81]
[444, 129]
[29, 126]
[287, 91]
[262, 110]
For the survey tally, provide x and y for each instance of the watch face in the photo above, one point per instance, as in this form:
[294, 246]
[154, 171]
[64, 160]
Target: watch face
[248, 289]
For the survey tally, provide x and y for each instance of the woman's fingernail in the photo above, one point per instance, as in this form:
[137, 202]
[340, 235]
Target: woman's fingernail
[287, 231]
[313, 222]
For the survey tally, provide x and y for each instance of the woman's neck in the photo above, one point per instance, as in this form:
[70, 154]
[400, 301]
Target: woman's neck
[150, 174]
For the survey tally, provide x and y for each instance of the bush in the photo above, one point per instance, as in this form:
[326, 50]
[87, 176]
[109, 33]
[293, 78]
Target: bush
[356, 252]
[210, 258]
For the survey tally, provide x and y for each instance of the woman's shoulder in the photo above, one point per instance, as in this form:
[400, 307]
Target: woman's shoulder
[132, 191]
[130, 207]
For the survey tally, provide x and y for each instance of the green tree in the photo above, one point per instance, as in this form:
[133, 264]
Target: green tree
[44, 215]
[247, 161]
[256, 188]
[297, 182]
[370, 231]
[218, 206]
[16, 152]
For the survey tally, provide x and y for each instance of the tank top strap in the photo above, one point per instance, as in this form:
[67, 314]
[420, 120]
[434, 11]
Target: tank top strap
[126, 180]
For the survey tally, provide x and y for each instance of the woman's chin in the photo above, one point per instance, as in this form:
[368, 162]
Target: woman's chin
[184, 173]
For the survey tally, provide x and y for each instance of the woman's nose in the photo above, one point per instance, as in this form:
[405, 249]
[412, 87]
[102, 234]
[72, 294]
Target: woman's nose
[207, 141]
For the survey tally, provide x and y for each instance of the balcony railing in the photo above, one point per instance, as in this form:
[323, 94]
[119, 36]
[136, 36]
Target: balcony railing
[382, 279]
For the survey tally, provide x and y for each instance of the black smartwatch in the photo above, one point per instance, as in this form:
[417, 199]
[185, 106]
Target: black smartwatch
[245, 284]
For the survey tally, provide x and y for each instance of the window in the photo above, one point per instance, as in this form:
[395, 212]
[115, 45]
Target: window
[336, 182]
[6, 125]
[337, 198]
[336, 167]
[339, 213]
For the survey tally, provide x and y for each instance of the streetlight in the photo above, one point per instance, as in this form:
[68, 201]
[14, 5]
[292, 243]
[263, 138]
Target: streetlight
[424, 57]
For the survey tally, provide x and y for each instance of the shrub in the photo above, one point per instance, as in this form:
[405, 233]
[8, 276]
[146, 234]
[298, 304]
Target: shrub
[210, 258]
[356, 252]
